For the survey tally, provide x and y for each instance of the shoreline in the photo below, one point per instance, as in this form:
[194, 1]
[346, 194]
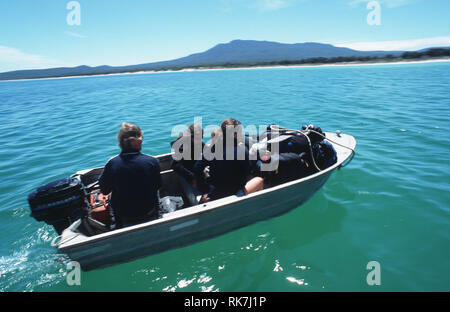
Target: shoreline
[343, 64]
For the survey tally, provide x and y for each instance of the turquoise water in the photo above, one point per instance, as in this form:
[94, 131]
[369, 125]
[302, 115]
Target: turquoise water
[391, 204]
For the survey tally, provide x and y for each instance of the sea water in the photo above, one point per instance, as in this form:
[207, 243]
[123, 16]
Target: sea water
[390, 205]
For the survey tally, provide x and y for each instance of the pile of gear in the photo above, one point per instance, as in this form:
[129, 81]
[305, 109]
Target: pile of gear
[284, 154]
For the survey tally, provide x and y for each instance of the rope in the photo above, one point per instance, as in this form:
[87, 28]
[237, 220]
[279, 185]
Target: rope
[53, 244]
[272, 127]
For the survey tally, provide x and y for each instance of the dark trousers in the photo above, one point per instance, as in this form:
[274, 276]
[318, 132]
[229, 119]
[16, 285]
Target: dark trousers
[189, 191]
[127, 221]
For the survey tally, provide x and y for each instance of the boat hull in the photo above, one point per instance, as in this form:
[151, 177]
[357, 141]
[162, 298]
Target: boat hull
[190, 225]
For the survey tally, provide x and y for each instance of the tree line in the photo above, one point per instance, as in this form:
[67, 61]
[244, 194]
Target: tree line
[431, 53]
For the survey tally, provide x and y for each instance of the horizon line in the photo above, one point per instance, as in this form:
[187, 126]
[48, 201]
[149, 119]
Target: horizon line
[362, 46]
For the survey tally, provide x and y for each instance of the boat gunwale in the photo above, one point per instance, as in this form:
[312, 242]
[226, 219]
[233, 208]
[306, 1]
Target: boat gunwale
[204, 207]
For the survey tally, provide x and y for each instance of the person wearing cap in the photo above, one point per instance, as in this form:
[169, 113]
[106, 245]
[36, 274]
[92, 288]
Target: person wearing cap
[133, 179]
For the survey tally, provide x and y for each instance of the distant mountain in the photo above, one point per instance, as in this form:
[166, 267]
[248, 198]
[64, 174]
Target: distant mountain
[237, 51]
[243, 51]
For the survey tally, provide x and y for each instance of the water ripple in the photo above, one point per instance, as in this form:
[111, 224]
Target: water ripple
[390, 203]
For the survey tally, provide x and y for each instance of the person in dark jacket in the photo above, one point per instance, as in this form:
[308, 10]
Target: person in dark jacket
[133, 178]
[228, 175]
[189, 146]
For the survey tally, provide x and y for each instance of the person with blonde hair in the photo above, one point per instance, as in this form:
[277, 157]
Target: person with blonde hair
[133, 179]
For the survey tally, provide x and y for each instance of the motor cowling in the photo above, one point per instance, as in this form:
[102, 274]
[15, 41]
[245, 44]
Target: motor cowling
[58, 203]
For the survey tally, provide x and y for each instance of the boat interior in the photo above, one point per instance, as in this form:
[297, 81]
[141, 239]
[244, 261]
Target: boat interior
[99, 219]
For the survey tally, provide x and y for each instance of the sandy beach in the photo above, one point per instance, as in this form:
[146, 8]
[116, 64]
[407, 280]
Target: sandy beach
[344, 64]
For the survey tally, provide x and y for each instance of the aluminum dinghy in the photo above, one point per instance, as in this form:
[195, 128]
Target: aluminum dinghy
[200, 222]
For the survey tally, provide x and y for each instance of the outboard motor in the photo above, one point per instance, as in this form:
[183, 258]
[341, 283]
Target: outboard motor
[58, 203]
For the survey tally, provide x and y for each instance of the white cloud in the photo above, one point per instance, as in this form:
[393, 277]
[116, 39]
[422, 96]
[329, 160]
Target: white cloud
[74, 34]
[14, 59]
[398, 45]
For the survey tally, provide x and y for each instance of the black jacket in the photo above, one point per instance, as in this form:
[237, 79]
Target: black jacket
[185, 167]
[226, 176]
[134, 179]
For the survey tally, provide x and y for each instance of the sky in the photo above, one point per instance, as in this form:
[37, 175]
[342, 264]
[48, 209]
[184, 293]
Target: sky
[45, 33]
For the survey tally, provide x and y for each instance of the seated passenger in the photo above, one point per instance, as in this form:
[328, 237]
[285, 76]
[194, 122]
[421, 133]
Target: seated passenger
[228, 174]
[184, 167]
[133, 178]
